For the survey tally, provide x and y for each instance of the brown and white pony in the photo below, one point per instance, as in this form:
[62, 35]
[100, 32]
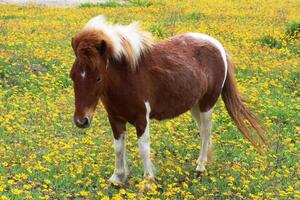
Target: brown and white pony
[138, 80]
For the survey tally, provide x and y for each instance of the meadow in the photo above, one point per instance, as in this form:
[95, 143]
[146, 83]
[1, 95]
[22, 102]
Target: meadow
[44, 156]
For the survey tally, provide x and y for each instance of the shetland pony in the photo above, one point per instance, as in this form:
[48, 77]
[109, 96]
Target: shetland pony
[138, 80]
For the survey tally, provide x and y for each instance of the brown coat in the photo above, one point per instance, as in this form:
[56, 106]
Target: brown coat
[172, 75]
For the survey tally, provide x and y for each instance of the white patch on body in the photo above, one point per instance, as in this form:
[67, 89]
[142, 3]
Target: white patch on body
[204, 122]
[216, 43]
[121, 168]
[83, 74]
[144, 145]
[137, 39]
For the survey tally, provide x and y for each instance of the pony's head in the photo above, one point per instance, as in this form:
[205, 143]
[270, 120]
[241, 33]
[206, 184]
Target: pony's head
[94, 46]
[87, 74]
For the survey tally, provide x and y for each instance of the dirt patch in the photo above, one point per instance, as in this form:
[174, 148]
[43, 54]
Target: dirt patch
[59, 3]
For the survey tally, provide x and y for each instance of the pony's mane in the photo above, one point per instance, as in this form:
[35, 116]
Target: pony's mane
[127, 41]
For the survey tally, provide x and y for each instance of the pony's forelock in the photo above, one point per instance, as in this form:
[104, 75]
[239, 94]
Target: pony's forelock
[127, 41]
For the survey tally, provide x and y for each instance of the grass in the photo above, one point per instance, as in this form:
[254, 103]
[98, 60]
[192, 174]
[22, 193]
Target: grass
[293, 29]
[44, 156]
[271, 42]
[108, 4]
[290, 40]
[115, 3]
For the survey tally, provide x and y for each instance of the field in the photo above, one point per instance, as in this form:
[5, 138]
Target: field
[44, 156]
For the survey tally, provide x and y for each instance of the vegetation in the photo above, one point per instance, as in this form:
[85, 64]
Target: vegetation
[293, 29]
[44, 156]
[115, 3]
[290, 40]
[271, 42]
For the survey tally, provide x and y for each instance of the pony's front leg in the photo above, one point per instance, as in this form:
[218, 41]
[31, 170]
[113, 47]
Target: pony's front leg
[121, 169]
[142, 128]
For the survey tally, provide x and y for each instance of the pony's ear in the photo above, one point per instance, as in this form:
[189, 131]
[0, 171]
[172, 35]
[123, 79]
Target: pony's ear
[101, 47]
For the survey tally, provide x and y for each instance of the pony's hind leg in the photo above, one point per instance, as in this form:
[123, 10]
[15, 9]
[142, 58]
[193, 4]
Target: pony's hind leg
[203, 120]
[143, 132]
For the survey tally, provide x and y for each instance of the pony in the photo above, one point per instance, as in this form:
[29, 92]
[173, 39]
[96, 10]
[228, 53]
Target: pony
[137, 80]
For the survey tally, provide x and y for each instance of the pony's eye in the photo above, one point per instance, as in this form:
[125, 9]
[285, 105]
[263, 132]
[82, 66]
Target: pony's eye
[98, 80]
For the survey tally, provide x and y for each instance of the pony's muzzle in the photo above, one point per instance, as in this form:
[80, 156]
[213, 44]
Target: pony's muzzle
[82, 122]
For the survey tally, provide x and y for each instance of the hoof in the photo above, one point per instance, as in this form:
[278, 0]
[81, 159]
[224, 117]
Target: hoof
[118, 179]
[201, 168]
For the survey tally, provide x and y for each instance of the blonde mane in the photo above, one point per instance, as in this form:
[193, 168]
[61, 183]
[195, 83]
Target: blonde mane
[127, 41]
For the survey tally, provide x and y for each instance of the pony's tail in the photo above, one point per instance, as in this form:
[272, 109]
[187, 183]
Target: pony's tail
[241, 115]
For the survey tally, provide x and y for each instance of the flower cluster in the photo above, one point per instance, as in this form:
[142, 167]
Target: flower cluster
[44, 156]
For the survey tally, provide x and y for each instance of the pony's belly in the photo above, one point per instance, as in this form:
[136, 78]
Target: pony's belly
[171, 104]
[168, 114]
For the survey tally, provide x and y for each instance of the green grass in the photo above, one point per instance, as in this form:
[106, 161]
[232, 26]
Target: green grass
[11, 17]
[289, 40]
[43, 155]
[109, 4]
[114, 4]
[293, 29]
[271, 42]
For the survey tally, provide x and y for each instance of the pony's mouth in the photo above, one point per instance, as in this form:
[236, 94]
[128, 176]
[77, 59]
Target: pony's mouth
[82, 122]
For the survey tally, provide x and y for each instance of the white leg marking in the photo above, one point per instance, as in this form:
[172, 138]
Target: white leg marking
[195, 111]
[203, 120]
[121, 169]
[144, 146]
[217, 44]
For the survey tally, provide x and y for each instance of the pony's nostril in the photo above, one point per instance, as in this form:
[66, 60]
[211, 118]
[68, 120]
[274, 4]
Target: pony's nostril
[82, 123]
[85, 121]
